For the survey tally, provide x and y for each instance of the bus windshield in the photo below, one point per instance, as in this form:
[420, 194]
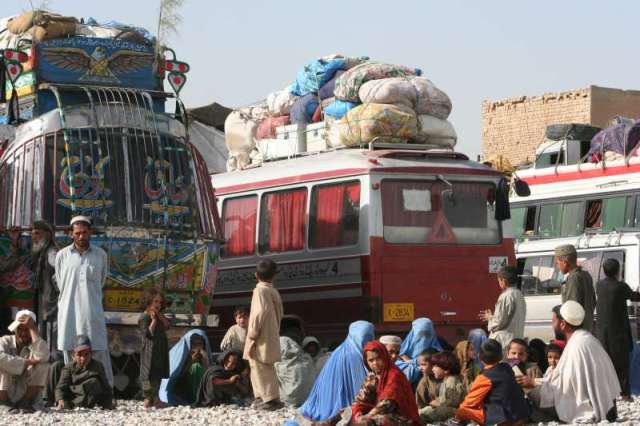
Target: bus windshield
[439, 212]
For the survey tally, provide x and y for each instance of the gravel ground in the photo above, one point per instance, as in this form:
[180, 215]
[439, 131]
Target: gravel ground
[132, 413]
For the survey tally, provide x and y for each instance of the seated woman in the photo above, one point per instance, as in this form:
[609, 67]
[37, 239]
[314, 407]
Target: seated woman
[296, 372]
[466, 355]
[450, 391]
[386, 397]
[188, 360]
[421, 337]
[341, 377]
[226, 382]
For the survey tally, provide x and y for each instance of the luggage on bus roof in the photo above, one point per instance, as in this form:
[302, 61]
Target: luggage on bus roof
[573, 131]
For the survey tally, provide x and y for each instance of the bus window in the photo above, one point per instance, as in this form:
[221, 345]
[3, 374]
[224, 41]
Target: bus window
[593, 214]
[282, 221]
[572, 215]
[334, 215]
[539, 276]
[614, 213]
[636, 217]
[435, 212]
[239, 223]
[550, 219]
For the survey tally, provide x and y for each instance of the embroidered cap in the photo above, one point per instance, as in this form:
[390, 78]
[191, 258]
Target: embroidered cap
[14, 325]
[390, 340]
[83, 219]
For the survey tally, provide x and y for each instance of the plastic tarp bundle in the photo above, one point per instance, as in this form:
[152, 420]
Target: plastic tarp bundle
[573, 131]
[326, 91]
[339, 108]
[302, 111]
[349, 83]
[42, 25]
[280, 102]
[267, 127]
[621, 139]
[315, 74]
[414, 92]
[210, 142]
[240, 131]
[367, 122]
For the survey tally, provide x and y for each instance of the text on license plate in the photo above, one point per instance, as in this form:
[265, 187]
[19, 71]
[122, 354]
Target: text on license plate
[398, 312]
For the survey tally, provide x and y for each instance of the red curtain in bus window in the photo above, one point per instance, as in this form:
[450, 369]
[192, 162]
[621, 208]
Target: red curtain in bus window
[287, 211]
[330, 213]
[240, 225]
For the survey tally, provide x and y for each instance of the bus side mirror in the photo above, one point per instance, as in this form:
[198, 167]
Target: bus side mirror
[521, 187]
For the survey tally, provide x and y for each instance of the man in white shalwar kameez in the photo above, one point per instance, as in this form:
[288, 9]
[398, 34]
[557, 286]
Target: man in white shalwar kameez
[506, 322]
[81, 271]
[584, 385]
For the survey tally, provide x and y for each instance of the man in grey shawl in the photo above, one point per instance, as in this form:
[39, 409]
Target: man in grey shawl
[577, 284]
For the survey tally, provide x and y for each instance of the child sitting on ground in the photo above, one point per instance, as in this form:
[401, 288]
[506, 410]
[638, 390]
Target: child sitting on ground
[553, 358]
[227, 382]
[451, 390]
[427, 388]
[83, 382]
[154, 355]
[196, 364]
[495, 396]
[235, 337]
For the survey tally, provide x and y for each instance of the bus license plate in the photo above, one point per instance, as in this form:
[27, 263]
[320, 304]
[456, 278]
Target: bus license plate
[122, 300]
[398, 312]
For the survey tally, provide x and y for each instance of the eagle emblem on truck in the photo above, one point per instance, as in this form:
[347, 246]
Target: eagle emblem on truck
[98, 66]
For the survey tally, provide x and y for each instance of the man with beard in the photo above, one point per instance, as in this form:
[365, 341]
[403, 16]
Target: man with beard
[81, 271]
[584, 386]
[43, 260]
[23, 366]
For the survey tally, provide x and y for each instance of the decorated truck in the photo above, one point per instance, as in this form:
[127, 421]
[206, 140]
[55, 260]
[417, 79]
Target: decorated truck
[84, 130]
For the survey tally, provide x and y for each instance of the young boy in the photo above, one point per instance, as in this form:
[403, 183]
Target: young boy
[262, 348]
[392, 343]
[237, 333]
[427, 388]
[553, 358]
[518, 354]
[495, 397]
[227, 382]
[83, 382]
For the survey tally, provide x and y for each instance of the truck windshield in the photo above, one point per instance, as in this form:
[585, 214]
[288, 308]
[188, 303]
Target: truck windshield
[439, 212]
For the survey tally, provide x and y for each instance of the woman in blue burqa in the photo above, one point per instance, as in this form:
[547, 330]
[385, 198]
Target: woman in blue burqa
[477, 337]
[341, 377]
[421, 337]
[188, 360]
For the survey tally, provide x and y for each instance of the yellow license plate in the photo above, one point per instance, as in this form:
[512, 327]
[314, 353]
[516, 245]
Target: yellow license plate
[122, 300]
[398, 312]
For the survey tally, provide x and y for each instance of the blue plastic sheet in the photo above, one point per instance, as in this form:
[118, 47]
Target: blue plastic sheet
[339, 108]
[341, 377]
[314, 75]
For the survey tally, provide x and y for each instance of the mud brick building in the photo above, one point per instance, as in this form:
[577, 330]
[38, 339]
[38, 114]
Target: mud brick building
[514, 127]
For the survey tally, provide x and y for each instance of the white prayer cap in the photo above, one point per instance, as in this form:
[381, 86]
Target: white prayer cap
[390, 340]
[572, 312]
[310, 339]
[15, 324]
[83, 219]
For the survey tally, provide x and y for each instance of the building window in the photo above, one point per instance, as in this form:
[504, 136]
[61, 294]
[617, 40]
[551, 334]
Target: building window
[239, 220]
[282, 221]
[334, 215]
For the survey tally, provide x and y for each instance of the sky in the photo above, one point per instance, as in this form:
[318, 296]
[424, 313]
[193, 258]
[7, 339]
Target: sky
[242, 50]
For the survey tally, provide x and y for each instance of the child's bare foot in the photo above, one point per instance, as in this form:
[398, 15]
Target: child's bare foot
[148, 403]
[159, 404]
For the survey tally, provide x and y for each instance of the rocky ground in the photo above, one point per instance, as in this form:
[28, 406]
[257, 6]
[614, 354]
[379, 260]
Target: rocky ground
[132, 413]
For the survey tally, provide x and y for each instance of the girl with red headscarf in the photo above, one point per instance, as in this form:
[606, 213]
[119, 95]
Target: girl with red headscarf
[386, 397]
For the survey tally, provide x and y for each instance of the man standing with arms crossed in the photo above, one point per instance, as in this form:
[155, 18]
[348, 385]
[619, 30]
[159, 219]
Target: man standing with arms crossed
[81, 271]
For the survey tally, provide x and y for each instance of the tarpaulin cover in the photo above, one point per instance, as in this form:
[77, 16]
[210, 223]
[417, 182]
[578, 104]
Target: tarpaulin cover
[302, 111]
[213, 115]
[326, 91]
[414, 92]
[366, 122]
[339, 108]
[572, 131]
[210, 143]
[267, 127]
[621, 139]
[349, 83]
[315, 74]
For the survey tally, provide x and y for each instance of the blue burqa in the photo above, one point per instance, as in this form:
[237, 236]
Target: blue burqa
[421, 337]
[477, 337]
[177, 358]
[341, 377]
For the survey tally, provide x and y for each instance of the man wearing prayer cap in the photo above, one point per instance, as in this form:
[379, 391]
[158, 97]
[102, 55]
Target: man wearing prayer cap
[584, 386]
[577, 284]
[81, 272]
[392, 343]
[23, 364]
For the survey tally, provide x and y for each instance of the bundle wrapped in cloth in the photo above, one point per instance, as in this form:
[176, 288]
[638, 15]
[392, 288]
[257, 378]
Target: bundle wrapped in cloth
[240, 132]
[348, 84]
[42, 25]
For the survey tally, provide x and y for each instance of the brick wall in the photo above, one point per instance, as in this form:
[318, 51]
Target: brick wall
[514, 127]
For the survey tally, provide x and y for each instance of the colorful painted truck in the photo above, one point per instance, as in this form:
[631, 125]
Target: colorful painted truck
[83, 130]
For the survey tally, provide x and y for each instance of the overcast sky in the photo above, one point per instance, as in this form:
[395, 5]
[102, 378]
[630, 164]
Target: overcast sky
[241, 50]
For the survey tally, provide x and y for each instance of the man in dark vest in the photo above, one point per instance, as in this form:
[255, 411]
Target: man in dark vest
[578, 284]
[614, 331]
